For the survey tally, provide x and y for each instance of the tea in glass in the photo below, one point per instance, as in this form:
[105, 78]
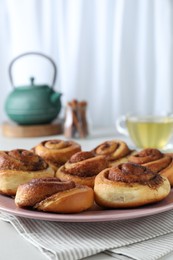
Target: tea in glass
[153, 132]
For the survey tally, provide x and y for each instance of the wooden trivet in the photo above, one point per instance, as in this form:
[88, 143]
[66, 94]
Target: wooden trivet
[13, 130]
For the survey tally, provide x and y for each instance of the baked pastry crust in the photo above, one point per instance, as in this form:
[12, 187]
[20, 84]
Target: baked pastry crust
[82, 168]
[129, 185]
[115, 152]
[56, 152]
[19, 166]
[156, 161]
[53, 195]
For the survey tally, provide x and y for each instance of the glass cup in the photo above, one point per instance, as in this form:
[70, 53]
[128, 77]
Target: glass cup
[147, 131]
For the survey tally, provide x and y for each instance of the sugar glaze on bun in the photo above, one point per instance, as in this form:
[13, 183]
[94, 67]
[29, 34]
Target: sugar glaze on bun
[56, 152]
[129, 185]
[156, 161]
[115, 152]
[54, 195]
[82, 168]
[20, 166]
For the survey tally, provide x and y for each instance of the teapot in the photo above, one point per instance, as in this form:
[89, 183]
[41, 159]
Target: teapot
[32, 103]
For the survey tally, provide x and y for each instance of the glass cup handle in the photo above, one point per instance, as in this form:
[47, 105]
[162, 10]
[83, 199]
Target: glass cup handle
[120, 125]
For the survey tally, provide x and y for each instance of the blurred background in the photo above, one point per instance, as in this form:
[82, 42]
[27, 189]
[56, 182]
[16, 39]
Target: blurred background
[115, 54]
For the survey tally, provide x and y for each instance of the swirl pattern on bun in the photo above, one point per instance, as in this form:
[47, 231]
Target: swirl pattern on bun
[115, 152]
[19, 166]
[156, 161]
[56, 152]
[129, 185]
[53, 195]
[82, 168]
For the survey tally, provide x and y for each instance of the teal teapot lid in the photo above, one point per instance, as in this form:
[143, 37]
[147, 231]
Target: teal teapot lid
[31, 84]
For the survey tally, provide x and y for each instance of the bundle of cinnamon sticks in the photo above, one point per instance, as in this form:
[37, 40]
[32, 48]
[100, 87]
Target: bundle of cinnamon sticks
[75, 119]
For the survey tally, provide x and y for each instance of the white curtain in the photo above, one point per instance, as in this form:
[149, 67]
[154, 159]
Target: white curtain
[116, 54]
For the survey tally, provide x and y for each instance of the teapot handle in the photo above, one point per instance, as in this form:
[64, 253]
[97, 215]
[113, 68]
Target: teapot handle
[33, 53]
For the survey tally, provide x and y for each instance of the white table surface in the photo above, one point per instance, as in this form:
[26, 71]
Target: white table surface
[12, 245]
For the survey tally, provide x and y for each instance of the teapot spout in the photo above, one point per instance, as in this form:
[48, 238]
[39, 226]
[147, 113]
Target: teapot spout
[55, 98]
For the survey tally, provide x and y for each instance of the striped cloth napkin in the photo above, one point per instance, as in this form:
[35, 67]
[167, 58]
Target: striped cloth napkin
[121, 239]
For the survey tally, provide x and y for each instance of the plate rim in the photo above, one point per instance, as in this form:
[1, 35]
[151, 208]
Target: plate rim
[97, 215]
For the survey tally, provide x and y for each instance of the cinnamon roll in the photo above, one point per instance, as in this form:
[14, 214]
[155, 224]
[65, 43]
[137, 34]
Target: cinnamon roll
[115, 152]
[156, 161]
[129, 185]
[56, 152]
[19, 166]
[82, 168]
[53, 195]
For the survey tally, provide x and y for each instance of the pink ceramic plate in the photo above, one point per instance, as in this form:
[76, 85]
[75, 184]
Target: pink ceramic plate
[93, 215]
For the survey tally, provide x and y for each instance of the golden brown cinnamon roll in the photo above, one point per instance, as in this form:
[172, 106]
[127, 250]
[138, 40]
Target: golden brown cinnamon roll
[129, 185]
[53, 195]
[82, 168]
[56, 152]
[155, 161]
[115, 151]
[19, 166]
